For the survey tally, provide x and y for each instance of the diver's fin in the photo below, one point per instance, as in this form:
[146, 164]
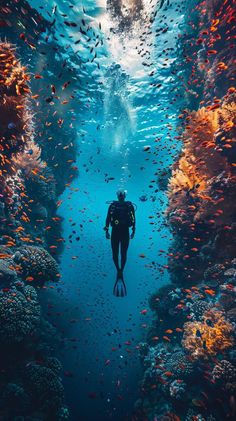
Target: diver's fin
[115, 289]
[123, 291]
[119, 289]
[124, 286]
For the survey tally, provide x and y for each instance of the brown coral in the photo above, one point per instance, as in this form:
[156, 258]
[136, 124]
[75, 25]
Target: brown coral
[210, 336]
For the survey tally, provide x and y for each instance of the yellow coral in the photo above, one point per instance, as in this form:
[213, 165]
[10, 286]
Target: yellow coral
[186, 176]
[210, 336]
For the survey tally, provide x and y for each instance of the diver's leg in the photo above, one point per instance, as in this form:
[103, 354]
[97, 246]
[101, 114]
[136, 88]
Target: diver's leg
[115, 249]
[124, 249]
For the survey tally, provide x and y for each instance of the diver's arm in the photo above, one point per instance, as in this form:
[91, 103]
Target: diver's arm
[134, 223]
[107, 223]
[108, 218]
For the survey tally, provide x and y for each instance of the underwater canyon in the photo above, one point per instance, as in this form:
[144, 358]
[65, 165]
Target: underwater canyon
[100, 96]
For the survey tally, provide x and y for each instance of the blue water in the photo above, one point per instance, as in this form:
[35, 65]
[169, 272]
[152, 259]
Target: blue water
[121, 111]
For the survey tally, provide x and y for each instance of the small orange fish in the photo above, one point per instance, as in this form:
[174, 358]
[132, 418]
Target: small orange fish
[5, 256]
[59, 202]
[34, 171]
[180, 306]
[143, 311]
[19, 229]
[210, 292]
[25, 239]
[166, 338]
[211, 52]
[168, 373]
[39, 239]
[169, 331]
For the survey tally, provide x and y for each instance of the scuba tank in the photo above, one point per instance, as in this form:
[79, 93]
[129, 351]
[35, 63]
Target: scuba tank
[121, 213]
[109, 202]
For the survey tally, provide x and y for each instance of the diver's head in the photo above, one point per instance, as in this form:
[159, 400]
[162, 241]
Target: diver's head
[121, 195]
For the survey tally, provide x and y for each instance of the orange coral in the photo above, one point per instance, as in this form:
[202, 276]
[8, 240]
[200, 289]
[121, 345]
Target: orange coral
[210, 336]
[12, 74]
[16, 118]
[226, 133]
[30, 159]
[202, 162]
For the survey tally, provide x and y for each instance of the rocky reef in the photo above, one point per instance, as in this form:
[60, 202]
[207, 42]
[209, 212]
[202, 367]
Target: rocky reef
[30, 182]
[189, 357]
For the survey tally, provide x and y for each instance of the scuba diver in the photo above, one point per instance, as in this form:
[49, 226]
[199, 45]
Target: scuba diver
[121, 216]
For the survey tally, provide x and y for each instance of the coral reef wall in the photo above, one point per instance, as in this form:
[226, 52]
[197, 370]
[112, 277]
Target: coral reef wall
[202, 193]
[31, 179]
[53, 106]
[29, 383]
[189, 357]
[201, 190]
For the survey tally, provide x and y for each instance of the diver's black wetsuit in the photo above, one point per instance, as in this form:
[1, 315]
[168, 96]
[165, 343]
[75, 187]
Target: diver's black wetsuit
[120, 230]
[120, 238]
